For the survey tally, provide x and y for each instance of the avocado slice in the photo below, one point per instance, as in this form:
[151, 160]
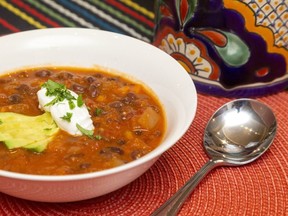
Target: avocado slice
[30, 132]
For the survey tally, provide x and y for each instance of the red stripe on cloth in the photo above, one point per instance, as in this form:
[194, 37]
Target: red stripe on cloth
[35, 13]
[130, 12]
[8, 25]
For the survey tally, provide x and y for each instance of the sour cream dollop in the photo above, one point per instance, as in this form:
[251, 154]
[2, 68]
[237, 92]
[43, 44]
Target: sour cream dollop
[66, 117]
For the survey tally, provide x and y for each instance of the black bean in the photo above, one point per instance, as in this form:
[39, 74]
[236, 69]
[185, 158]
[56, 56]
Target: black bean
[78, 88]
[94, 93]
[43, 73]
[90, 79]
[121, 141]
[23, 88]
[126, 116]
[129, 98]
[116, 104]
[65, 75]
[95, 84]
[98, 75]
[136, 154]
[112, 78]
[15, 98]
[112, 149]
[93, 89]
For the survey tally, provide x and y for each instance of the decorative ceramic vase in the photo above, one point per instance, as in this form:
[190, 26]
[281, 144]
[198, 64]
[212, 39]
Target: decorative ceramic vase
[231, 48]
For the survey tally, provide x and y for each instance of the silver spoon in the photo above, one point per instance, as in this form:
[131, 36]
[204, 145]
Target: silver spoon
[238, 133]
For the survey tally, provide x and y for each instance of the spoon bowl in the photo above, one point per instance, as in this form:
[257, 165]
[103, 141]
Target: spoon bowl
[238, 133]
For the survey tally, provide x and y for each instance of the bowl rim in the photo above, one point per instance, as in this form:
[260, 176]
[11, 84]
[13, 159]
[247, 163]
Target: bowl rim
[153, 155]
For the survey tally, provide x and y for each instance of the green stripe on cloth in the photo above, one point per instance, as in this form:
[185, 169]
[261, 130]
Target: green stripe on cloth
[51, 13]
[58, 6]
[122, 17]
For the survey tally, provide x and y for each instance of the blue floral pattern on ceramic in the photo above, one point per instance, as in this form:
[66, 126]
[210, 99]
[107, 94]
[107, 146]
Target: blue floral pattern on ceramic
[229, 47]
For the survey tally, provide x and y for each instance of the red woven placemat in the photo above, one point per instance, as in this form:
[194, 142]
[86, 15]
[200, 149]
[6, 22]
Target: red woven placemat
[259, 188]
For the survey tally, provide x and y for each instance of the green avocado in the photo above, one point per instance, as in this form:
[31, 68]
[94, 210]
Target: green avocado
[29, 132]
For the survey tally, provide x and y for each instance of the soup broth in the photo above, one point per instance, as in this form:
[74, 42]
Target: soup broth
[128, 120]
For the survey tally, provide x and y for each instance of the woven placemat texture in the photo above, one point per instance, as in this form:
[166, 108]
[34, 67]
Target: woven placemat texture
[259, 188]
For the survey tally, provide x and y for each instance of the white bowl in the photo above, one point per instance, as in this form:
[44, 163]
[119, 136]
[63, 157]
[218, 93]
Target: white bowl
[87, 48]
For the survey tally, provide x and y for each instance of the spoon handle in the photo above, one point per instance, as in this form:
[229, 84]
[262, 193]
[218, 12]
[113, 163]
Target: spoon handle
[173, 205]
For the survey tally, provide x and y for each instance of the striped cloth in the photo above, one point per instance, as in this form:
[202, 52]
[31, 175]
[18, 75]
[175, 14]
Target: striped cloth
[130, 17]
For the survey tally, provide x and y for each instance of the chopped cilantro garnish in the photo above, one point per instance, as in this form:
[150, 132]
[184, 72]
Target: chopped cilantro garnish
[52, 87]
[80, 101]
[98, 137]
[59, 91]
[98, 111]
[71, 104]
[88, 133]
[1, 122]
[55, 100]
[67, 117]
